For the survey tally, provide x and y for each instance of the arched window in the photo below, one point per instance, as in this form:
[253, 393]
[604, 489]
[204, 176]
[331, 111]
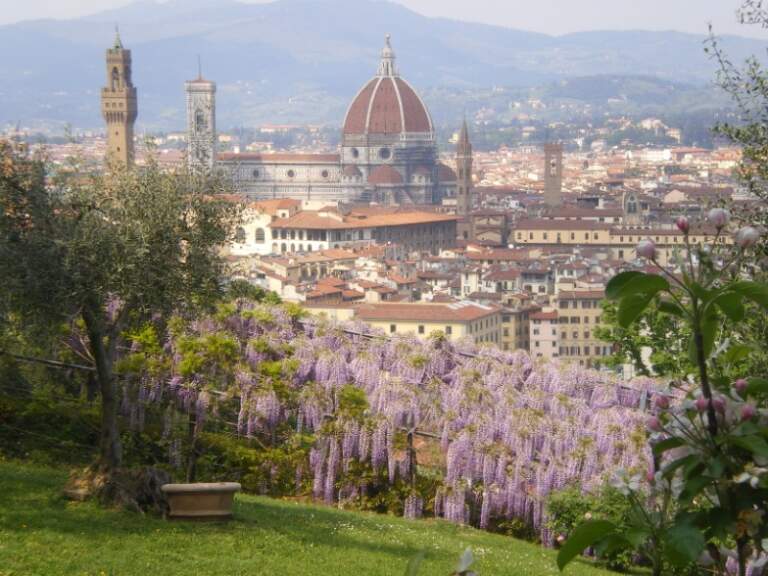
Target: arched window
[200, 123]
[283, 247]
[240, 235]
[260, 236]
[115, 78]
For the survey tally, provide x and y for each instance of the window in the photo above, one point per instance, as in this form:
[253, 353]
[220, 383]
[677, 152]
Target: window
[240, 235]
[291, 173]
[324, 174]
[546, 236]
[421, 328]
[256, 173]
[384, 153]
[260, 236]
[449, 330]
[355, 153]
[392, 328]
[538, 344]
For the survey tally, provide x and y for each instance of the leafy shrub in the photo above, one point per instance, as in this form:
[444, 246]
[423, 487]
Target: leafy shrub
[569, 507]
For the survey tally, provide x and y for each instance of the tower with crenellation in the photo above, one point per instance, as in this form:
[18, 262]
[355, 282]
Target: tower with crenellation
[118, 104]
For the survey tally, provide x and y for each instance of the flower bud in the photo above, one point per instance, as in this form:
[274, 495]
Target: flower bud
[646, 249]
[747, 237]
[747, 412]
[740, 385]
[654, 424]
[718, 217]
[701, 404]
[683, 225]
[718, 404]
[661, 402]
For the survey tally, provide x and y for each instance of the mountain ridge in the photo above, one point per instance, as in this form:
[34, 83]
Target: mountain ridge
[269, 58]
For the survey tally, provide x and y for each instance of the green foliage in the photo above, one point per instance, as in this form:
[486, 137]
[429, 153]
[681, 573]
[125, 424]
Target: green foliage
[569, 507]
[47, 428]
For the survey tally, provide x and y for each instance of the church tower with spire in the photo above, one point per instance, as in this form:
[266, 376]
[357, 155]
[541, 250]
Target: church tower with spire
[118, 104]
[201, 123]
[464, 182]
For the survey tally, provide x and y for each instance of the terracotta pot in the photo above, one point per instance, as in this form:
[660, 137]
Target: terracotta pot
[201, 501]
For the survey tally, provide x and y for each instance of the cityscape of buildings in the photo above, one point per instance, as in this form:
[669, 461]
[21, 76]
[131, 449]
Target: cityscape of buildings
[509, 247]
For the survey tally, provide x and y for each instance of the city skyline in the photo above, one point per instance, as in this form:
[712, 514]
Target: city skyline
[691, 16]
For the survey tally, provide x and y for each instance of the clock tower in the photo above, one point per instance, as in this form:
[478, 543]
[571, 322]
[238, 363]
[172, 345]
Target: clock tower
[118, 104]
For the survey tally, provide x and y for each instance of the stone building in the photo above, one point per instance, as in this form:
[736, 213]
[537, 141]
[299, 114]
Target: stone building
[118, 104]
[388, 153]
[201, 123]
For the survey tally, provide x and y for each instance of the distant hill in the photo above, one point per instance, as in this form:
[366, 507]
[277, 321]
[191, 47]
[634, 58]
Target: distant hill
[303, 60]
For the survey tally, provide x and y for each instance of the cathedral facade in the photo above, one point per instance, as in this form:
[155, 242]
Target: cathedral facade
[388, 152]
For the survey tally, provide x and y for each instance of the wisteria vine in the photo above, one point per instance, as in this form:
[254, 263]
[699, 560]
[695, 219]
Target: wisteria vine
[508, 430]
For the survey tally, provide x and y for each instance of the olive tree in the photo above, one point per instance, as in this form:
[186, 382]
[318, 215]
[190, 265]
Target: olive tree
[111, 249]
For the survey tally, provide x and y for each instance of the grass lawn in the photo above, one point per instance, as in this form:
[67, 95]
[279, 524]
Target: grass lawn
[43, 534]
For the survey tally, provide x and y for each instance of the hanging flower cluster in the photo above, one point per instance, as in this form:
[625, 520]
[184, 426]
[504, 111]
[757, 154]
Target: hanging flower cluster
[507, 431]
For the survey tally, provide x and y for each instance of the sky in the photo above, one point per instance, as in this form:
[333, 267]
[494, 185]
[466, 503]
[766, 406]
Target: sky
[547, 16]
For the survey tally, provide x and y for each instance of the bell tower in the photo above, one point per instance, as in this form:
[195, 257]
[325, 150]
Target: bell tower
[201, 123]
[118, 104]
[553, 174]
[464, 182]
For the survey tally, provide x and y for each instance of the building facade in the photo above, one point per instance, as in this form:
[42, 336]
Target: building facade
[388, 153]
[118, 105]
[480, 322]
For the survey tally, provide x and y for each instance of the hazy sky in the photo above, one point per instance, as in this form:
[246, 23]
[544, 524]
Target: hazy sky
[549, 16]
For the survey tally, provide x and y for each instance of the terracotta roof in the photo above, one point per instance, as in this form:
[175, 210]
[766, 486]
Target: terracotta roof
[544, 315]
[502, 254]
[422, 171]
[387, 105]
[272, 206]
[279, 158]
[352, 171]
[456, 312]
[501, 275]
[385, 174]
[313, 220]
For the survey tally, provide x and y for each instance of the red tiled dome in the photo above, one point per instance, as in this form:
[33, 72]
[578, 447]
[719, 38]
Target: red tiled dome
[422, 171]
[387, 104]
[352, 171]
[385, 175]
[445, 173]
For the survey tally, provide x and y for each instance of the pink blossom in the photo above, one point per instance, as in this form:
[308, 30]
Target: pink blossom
[747, 237]
[654, 424]
[646, 249]
[747, 412]
[661, 402]
[740, 385]
[683, 225]
[718, 217]
[702, 404]
[719, 404]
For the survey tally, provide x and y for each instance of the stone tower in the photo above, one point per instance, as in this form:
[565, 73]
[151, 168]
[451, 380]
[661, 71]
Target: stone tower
[464, 182]
[201, 124]
[118, 104]
[553, 174]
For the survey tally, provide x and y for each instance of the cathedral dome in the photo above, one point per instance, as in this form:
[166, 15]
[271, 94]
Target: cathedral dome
[387, 104]
[385, 174]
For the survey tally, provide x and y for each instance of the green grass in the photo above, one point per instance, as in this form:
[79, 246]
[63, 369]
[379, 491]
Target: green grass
[43, 534]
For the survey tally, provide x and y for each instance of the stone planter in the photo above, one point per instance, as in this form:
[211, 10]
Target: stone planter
[201, 501]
